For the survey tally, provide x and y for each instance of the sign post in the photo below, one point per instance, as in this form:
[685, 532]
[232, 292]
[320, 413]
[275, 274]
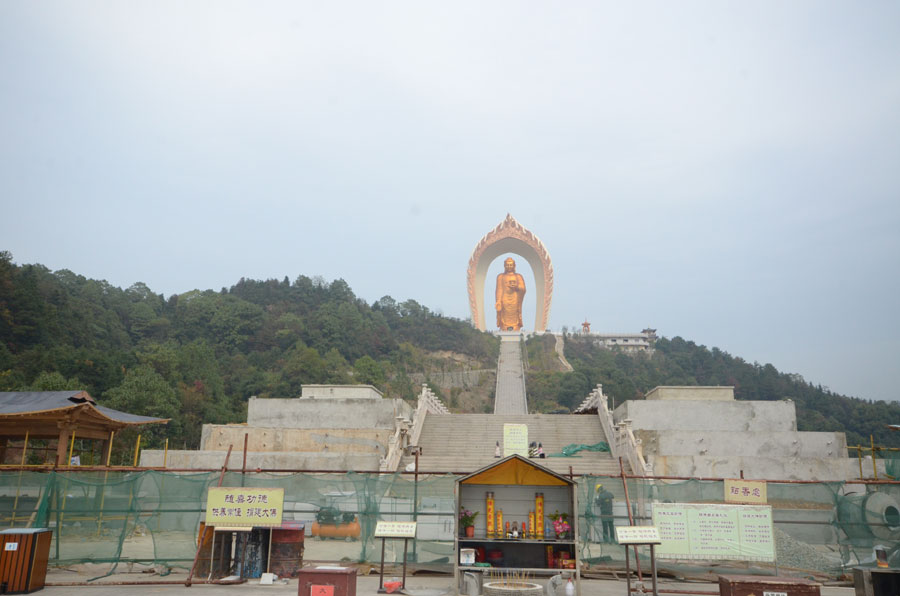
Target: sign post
[638, 536]
[385, 530]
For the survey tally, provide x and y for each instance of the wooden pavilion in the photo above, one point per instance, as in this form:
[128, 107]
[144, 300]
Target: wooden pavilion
[62, 415]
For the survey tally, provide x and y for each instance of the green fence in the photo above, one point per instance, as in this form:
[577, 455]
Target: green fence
[153, 517]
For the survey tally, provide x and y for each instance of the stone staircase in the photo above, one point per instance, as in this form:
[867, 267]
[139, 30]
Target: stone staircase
[465, 442]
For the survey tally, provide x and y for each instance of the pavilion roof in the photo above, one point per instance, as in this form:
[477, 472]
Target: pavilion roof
[17, 404]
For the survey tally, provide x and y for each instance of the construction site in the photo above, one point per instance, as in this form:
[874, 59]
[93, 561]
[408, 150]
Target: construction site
[348, 458]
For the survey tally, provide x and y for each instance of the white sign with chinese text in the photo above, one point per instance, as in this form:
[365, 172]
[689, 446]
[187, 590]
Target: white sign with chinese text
[713, 532]
[637, 535]
[388, 529]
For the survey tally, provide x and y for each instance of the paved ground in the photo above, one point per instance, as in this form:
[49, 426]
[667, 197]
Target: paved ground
[368, 586]
[510, 398]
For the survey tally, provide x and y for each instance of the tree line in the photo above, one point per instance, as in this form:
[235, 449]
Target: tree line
[197, 357]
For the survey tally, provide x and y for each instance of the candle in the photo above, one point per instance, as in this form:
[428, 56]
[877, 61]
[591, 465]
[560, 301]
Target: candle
[489, 516]
[539, 514]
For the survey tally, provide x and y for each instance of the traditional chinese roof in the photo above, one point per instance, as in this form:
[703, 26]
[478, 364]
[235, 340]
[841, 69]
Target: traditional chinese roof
[21, 409]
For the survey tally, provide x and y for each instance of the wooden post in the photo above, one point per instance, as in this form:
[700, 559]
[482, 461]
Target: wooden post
[190, 576]
[61, 444]
[19, 486]
[137, 450]
[71, 450]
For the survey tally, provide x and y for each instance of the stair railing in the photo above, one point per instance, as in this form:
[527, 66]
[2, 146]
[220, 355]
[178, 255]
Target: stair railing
[621, 439]
[408, 433]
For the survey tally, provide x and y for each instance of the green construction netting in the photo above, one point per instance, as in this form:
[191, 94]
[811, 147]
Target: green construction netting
[573, 448]
[153, 517]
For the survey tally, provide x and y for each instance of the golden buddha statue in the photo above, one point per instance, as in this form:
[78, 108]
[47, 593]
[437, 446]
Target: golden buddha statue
[510, 293]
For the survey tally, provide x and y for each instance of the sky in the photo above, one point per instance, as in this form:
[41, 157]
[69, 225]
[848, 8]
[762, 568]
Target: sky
[727, 172]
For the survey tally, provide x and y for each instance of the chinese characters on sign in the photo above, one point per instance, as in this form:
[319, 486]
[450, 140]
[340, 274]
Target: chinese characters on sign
[319, 590]
[637, 535]
[515, 439]
[386, 529]
[244, 506]
[749, 492]
[702, 531]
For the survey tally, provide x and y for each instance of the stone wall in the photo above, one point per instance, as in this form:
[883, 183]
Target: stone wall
[340, 392]
[710, 393]
[750, 444]
[206, 460]
[217, 437]
[326, 413]
[762, 416]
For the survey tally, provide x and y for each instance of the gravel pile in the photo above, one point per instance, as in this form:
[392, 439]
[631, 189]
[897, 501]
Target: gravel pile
[799, 555]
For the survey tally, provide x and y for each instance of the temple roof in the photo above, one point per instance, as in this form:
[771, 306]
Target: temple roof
[29, 403]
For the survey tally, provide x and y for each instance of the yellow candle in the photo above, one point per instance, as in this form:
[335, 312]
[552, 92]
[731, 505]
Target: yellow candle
[489, 516]
[539, 514]
[500, 522]
[531, 523]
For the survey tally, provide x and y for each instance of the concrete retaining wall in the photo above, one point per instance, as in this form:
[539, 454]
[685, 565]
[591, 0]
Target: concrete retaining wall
[754, 467]
[276, 460]
[731, 443]
[217, 437]
[763, 416]
[710, 393]
[326, 413]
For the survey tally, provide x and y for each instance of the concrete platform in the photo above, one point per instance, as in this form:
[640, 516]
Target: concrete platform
[366, 586]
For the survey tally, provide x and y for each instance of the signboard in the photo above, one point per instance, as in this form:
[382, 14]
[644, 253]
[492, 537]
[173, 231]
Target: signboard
[387, 529]
[637, 535]
[515, 440]
[703, 531]
[244, 506]
[749, 492]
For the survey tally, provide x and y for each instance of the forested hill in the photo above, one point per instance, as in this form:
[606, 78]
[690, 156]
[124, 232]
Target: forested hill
[197, 357]
[680, 362]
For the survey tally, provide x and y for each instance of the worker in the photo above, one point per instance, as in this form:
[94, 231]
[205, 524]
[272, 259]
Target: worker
[604, 501]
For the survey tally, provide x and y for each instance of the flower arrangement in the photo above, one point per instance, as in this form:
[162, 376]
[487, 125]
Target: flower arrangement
[466, 517]
[561, 527]
[560, 523]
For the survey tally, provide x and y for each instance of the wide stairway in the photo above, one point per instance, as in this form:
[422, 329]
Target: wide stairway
[509, 395]
[465, 442]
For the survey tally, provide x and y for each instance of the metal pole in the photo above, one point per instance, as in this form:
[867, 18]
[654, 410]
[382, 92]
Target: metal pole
[415, 511]
[244, 462]
[166, 453]
[637, 560]
[653, 568]
[381, 573]
[405, 547]
[874, 466]
[628, 570]
[859, 457]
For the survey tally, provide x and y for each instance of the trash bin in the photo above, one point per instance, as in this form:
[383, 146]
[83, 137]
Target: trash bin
[286, 554]
[876, 581]
[326, 581]
[23, 559]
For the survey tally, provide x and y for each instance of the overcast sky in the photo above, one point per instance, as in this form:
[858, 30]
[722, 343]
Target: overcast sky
[724, 171]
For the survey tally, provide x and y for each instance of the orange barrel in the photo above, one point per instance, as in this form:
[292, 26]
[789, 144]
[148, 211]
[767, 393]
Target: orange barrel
[539, 514]
[489, 516]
